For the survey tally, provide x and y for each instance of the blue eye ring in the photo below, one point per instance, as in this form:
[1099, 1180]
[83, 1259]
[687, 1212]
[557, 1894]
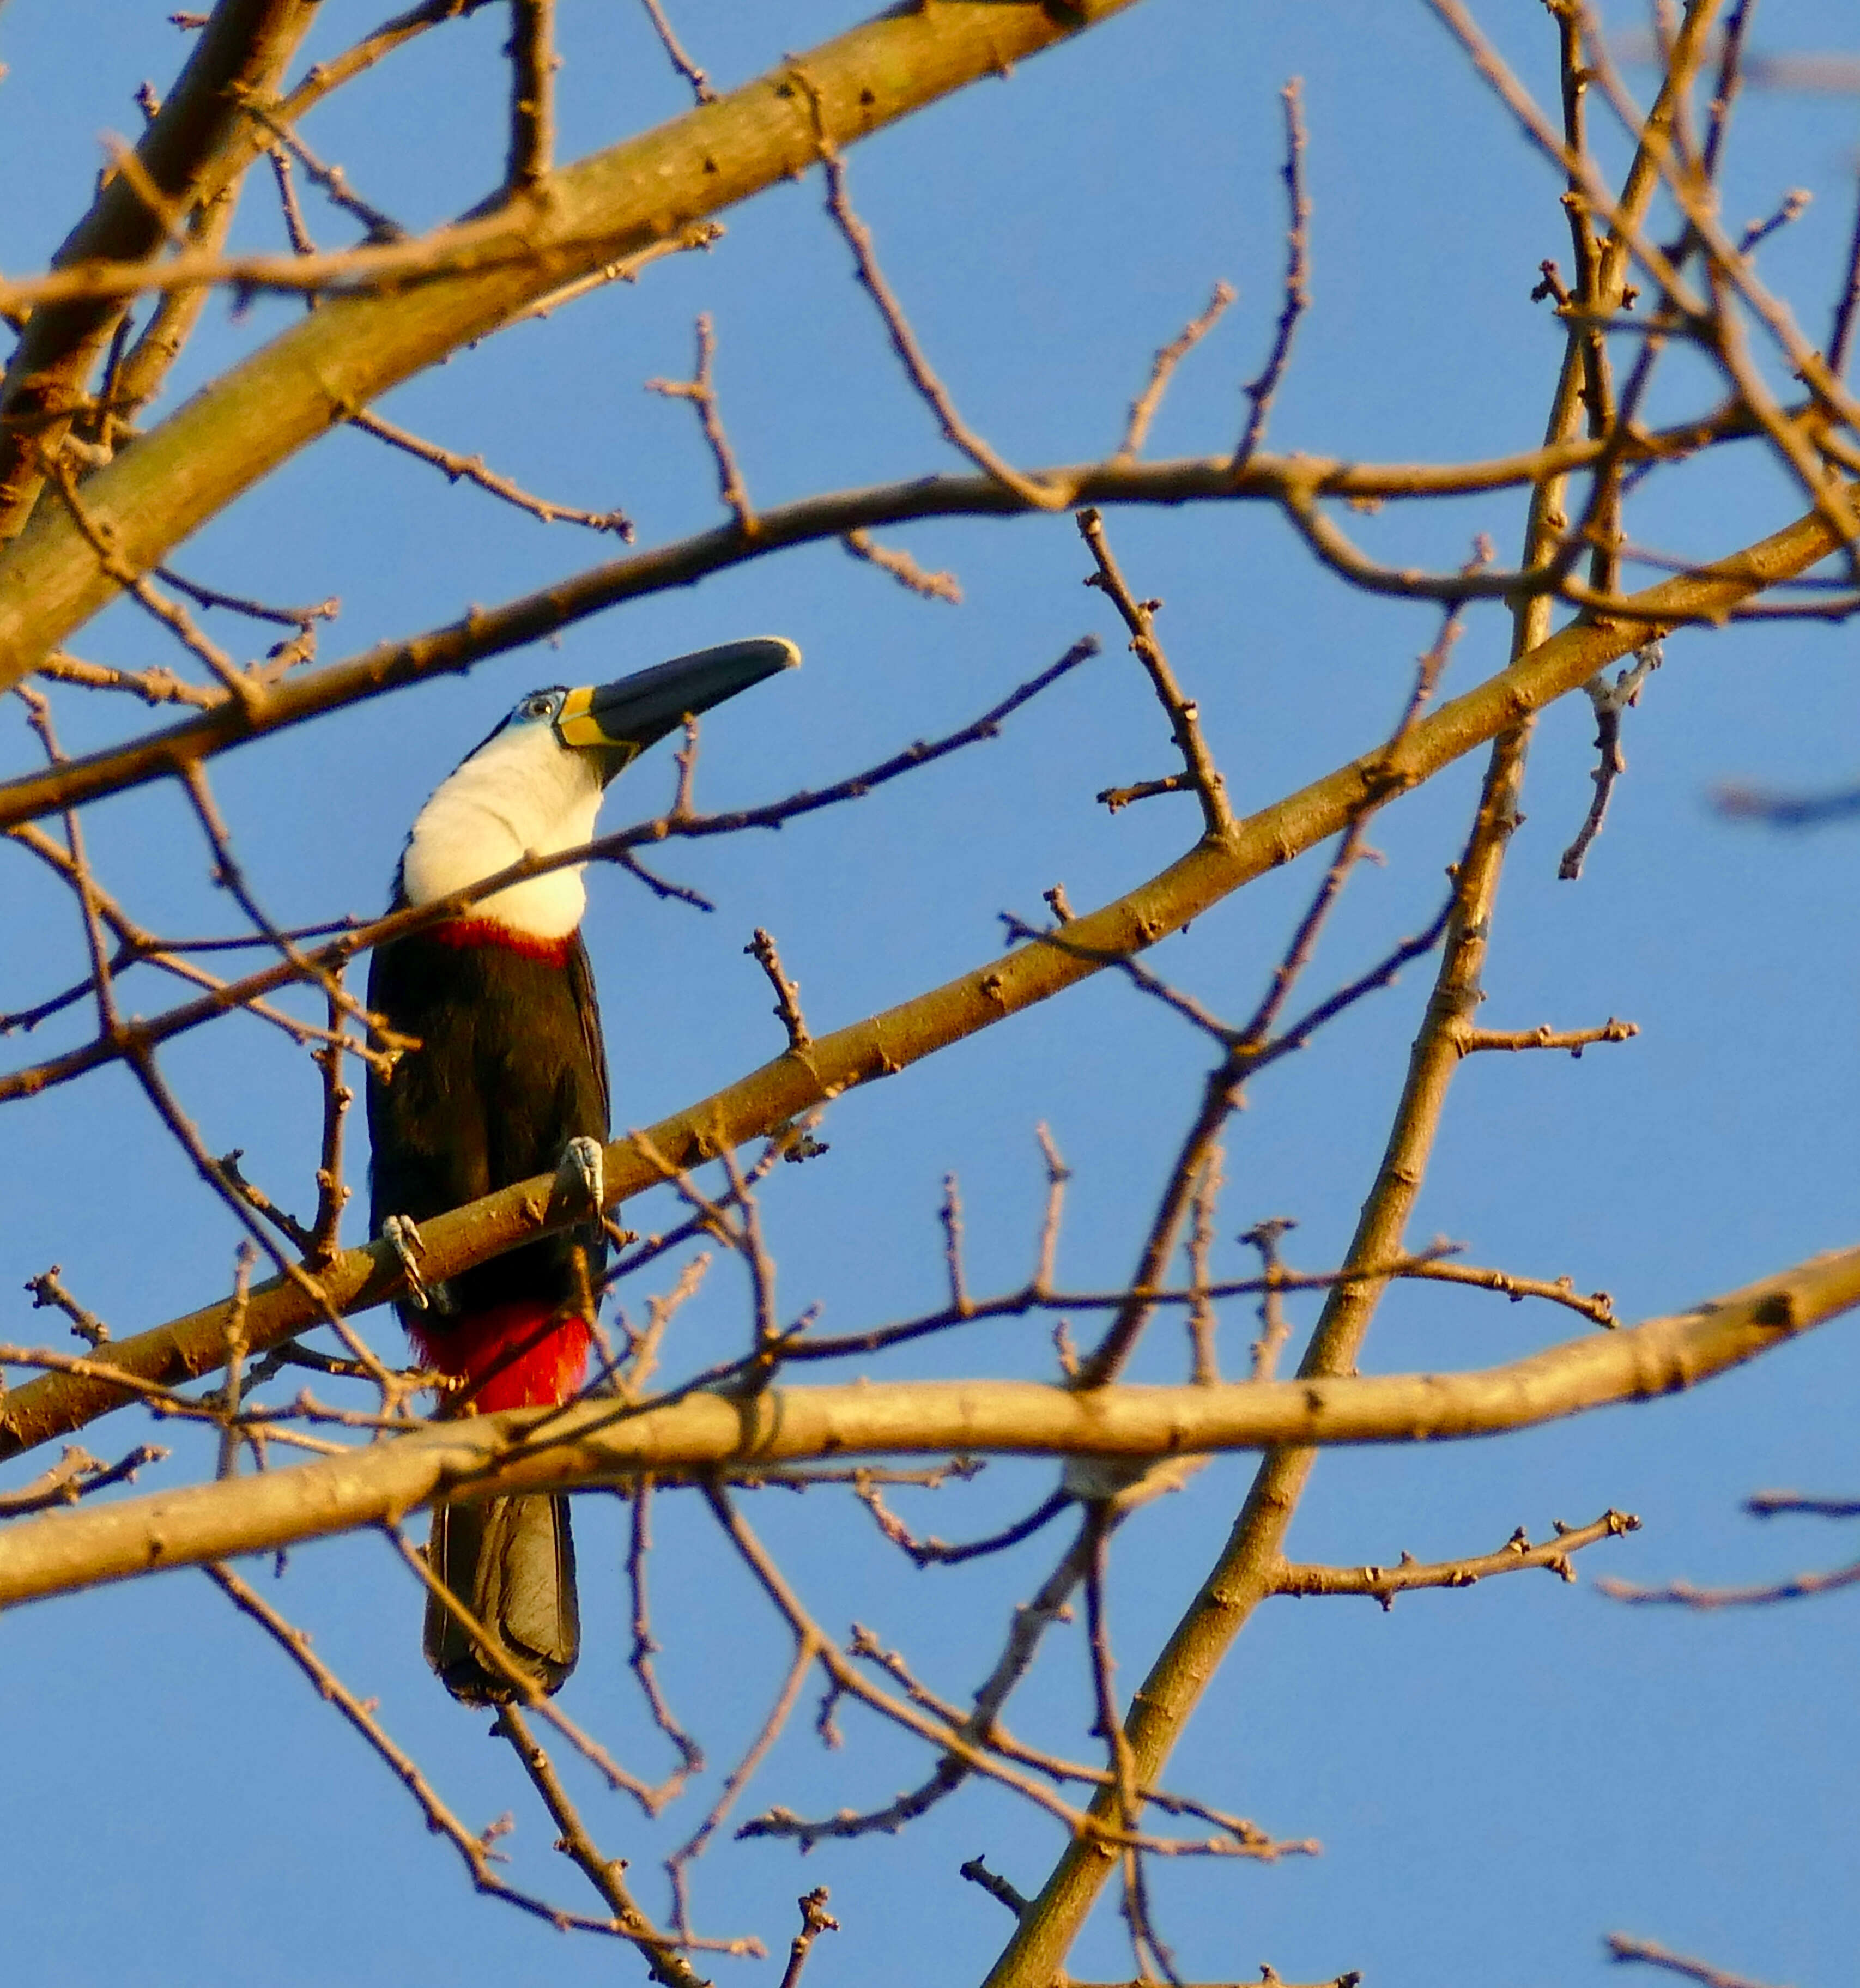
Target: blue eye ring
[541, 707]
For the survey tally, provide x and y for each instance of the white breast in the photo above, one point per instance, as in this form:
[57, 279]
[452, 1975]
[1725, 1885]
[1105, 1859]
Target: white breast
[522, 794]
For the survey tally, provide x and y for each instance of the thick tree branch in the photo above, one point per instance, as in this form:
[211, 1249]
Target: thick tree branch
[598, 1442]
[340, 358]
[195, 148]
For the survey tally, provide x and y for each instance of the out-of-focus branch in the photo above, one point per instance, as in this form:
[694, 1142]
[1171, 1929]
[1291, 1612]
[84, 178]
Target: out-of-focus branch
[1624, 1947]
[702, 395]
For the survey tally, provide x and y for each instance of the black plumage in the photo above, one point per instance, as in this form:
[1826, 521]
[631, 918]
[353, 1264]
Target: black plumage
[510, 1068]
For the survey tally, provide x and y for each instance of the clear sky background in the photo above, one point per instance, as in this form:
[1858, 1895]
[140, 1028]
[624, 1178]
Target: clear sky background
[1497, 1776]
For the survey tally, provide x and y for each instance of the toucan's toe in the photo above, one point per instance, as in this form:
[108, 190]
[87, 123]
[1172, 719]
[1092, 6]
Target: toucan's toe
[583, 1164]
[402, 1235]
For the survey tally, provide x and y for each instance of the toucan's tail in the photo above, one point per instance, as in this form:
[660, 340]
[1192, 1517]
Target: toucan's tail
[511, 1562]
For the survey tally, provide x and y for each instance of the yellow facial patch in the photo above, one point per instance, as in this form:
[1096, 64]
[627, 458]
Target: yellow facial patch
[576, 724]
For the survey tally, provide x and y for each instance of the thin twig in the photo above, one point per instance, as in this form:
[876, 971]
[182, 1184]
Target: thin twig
[472, 469]
[1610, 701]
[930, 389]
[1205, 1370]
[702, 395]
[1597, 1307]
[331, 181]
[1544, 1037]
[156, 685]
[47, 1290]
[1184, 716]
[993, 1884]
[1275, 1327]
[645, 1647]
[1143, 409]
[295, 1643]
[1260, 391]
[761, 949]
[815, 1920]
[699, 82]
[1384, 1583]
[76, 1475]
[240, 603]
[664, 1962]
[903, 568]
[102, 535]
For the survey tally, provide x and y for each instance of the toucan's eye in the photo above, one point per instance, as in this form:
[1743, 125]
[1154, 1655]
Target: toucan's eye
[541, 706]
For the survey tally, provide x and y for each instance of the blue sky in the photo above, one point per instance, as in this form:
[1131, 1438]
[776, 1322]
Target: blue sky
[1497, 1776]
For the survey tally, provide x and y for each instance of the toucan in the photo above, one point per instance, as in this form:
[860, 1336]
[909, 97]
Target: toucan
[509, 1080]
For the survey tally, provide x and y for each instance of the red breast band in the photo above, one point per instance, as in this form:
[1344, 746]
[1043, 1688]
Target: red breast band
[465, 932]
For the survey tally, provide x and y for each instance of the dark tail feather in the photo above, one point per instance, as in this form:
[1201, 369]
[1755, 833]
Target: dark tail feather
[511, 1562]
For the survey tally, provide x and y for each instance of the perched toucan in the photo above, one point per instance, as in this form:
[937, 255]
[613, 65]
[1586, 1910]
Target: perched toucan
[510, 1081]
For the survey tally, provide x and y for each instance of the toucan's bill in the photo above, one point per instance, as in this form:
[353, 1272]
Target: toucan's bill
[623, 718]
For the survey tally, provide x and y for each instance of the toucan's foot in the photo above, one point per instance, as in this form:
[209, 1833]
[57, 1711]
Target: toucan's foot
[403, 1237]
[583, 1166]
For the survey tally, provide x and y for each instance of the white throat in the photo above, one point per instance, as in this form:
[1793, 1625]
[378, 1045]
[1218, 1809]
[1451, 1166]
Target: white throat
[524, 793]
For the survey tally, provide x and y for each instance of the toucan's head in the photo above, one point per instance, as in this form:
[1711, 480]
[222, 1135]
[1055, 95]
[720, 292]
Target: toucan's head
[534, 786]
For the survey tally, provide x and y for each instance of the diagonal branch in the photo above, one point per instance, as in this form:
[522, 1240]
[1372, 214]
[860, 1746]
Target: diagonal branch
[341, 358]
[195, 149]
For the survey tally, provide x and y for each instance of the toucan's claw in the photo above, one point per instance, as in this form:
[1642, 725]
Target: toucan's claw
[403, 1237]
[583, 1167]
